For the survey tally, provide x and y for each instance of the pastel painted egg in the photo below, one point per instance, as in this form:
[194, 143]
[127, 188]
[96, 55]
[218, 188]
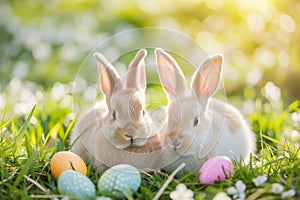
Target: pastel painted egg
[119, 181]
[76, 185]
[217, 168]
[65, 160]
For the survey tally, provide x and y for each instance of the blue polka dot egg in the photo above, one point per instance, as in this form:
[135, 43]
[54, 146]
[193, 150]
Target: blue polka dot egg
[119, 181]
[76, 185]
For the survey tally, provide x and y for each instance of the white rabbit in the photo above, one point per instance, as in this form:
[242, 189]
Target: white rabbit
[198, 126]
[121, 122]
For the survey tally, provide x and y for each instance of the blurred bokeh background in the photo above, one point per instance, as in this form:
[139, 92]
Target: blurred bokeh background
[44, 43]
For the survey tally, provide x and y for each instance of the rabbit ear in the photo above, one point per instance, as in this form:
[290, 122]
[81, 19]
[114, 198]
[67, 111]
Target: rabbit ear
[170, 75]
[207, 77]
[136, 77]
[109, 77]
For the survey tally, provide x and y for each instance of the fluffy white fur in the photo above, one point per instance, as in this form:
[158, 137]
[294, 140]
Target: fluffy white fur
[198, 126]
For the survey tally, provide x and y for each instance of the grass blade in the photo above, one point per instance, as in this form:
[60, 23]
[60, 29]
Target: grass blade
[4, 124]
[68, 131]
[28, 145]
[21, 132]
[23, 172]
[273, 140]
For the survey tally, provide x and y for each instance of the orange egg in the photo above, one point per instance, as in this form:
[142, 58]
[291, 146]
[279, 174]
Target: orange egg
[65, 160]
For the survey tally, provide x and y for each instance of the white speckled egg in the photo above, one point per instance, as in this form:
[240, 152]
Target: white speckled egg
[120, 180]
[76, 185]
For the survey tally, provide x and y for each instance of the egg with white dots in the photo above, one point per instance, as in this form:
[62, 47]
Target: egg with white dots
[120, 181]
[76, 185]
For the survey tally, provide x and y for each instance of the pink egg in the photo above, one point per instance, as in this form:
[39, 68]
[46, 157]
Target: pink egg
[213, 170]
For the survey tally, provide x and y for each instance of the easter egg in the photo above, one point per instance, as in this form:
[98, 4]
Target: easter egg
[119, 181]
[75, 185]
[65, 160]
[217, 168]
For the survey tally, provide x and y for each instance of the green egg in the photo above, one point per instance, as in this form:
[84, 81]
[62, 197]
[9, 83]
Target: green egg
[119, 181]
[76, 185]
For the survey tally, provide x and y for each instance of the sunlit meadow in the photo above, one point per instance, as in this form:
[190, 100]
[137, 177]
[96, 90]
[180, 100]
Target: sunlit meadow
[47, 81]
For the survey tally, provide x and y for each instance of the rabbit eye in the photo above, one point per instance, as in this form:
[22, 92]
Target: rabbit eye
[196, 121]
[113, 114]
[144, 112]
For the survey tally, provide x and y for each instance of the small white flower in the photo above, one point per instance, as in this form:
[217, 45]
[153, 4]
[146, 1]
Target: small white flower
[238, 192]
[232, 190]
[289, 193]
[258, 181]
[277, 188]
[221, 196]
[182, 192]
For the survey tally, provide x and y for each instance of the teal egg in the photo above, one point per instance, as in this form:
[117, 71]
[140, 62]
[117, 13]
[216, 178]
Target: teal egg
[76, 185]
[119, 181]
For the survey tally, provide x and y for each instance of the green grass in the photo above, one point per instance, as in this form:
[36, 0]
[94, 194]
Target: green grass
[27, 143]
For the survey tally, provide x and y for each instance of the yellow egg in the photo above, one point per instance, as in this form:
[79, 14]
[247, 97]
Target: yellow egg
[65, 160]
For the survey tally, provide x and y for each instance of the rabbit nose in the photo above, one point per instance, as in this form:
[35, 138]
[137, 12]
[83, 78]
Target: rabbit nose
[175, 143]
[130, 129]
[129, 137]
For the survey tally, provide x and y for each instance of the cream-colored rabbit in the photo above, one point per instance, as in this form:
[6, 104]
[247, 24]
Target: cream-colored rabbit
[121, 122]
[198, 126]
